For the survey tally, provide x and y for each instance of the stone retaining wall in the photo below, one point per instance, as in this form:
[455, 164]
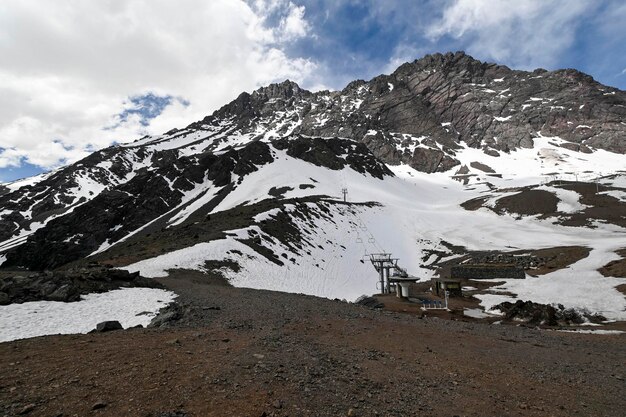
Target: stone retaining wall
[486, 272]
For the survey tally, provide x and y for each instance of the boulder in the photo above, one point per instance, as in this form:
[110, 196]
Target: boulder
[167, 315]
[108, 326]
[66, 293]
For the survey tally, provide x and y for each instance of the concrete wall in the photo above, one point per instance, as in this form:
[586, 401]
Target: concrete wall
[486, 272]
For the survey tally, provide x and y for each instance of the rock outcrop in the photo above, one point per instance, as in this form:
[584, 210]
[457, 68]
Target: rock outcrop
[68, 285]
[542, 314]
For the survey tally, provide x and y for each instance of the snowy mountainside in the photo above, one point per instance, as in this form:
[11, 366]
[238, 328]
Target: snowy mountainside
[171, 192]
[446, 152]
[410, 214]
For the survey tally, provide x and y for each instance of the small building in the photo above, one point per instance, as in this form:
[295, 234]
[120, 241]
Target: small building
[452, 285]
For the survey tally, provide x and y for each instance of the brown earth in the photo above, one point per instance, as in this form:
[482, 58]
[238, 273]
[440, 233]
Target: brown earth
[528, 202]
[602, 208]
[558, 258]
[615, 268]
[274, 354]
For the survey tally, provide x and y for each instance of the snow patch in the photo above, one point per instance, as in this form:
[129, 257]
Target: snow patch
[476, 313]
[568, 199]
[266, 215]
[620, 195]
[129, 306]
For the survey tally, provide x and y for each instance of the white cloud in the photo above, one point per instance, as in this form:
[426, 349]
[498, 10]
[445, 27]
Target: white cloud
[294, 25]
[67, 67]
[525, 33]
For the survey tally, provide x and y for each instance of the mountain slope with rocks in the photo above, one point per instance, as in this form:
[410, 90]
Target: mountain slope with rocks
[445, 156]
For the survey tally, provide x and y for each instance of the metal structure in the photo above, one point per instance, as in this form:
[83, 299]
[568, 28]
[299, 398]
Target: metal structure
[388, 269]
[344, 191]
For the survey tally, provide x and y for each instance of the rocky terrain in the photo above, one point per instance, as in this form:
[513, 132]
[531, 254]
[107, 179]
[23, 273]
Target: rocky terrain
[538, 314]
[595, 206]
[66, 286]
[242, 352]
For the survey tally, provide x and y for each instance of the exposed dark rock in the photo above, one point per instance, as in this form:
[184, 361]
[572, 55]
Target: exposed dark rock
[464, 170]
[529, 202]
[108, 326]
[168, 315]
[334, 154]
[178, 413]
[487, 272]
[278, 192]
[482, 167]
[68, 285]
[98, 405]
[369, 302]
[542, 314]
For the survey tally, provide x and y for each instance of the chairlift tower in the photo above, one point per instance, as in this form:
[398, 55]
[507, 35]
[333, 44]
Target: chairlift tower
[384, 263]
[344, 191]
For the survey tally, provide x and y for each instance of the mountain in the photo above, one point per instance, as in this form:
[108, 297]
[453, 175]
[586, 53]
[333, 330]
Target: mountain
[447, 159]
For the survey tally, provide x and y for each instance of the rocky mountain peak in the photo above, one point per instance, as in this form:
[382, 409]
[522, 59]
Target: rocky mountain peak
[284, 90]
[449, 63]
[248, 106]
[426, 109]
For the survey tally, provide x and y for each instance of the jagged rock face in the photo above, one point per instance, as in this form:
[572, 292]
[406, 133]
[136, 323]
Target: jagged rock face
[423, 111]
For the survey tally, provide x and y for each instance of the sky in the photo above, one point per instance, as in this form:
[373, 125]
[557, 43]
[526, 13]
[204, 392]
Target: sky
[78, 75]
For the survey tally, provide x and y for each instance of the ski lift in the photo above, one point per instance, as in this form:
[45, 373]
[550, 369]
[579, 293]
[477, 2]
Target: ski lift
[371, 240]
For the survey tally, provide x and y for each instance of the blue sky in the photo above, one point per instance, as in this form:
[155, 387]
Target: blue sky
[77, 76]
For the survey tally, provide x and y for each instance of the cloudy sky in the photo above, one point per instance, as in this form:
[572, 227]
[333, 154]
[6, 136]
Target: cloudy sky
[78, 75]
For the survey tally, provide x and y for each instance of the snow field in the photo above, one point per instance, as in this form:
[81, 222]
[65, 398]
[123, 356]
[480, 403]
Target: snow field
[129, 306]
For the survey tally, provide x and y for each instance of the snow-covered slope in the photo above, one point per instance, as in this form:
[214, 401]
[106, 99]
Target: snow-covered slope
[413, 213]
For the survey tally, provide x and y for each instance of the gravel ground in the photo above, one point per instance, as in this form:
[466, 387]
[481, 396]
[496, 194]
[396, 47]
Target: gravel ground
[241, 352]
